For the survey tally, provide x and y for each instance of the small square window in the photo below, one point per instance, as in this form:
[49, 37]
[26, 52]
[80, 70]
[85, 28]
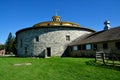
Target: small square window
[75, 48]
[105, 46]
[83, 47]
[37, 38]
[67, 37]
[88, 46]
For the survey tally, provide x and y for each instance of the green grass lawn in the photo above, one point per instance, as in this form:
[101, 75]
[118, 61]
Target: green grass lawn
[54, 69]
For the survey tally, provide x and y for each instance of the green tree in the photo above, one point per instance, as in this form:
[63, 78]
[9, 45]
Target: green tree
[2, 47]
[10, 44]
[14, 46]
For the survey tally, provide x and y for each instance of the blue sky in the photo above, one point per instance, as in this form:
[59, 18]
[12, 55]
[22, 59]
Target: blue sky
[19, 14]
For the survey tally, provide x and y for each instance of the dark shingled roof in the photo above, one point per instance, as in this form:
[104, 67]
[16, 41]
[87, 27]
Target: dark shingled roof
[101, 36]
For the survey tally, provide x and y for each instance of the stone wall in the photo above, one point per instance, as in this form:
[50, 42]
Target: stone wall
[52, 37]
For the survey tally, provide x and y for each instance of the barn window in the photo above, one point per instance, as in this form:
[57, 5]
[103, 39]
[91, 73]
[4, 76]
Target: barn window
[26, 50]
[75, 48]
[94, 46]
[117, 44]
[67, 37]
[83, 47]
[79, 47]
[88, 47]
[37, 38]
[105, 46]
[21, 43]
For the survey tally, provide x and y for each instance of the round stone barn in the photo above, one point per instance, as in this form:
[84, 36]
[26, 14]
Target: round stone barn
[50, 38]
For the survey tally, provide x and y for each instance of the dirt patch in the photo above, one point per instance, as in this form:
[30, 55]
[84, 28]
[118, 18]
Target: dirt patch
[22, 64]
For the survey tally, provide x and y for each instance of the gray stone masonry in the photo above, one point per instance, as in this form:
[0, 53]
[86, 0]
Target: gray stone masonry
[53, 38]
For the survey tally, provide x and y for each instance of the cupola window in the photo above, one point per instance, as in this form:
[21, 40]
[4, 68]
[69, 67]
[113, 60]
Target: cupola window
[95, 47]
[61, 24]
[48, 24]
[56, 18]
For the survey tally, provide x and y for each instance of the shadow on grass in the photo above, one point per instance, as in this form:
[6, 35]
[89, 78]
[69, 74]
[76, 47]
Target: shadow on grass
[7, 56]
[12, 57]
[101, 65]
[20, 57]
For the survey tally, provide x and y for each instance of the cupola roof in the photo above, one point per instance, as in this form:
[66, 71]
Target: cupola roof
[56, 22]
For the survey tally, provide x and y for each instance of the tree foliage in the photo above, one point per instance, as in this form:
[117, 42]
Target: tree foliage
[10, 45]
[2, 47]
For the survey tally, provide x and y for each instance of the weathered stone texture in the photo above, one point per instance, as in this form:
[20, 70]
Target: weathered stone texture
[54, 38]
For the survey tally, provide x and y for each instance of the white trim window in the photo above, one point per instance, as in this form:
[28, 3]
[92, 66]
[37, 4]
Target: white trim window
[88, 47]
[75, 48]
